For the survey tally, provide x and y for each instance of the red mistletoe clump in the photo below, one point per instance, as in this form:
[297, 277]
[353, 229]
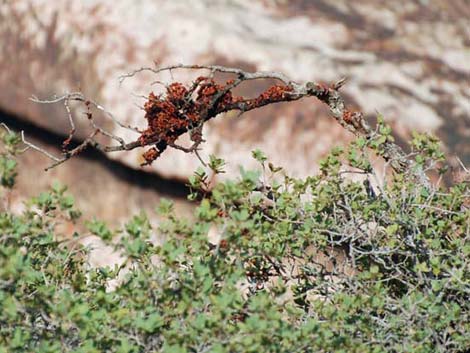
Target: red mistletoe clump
[182, 109]
[170, 115]
[274, 94]
[150, 155]
[347, 116]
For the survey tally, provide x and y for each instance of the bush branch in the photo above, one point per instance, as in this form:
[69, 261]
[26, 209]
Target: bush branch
[184, 109]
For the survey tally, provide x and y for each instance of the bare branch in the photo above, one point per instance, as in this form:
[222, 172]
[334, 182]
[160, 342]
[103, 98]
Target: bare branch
[5, 126]
[90, 140]
[79, 97]
[39, 149]
[213, 68]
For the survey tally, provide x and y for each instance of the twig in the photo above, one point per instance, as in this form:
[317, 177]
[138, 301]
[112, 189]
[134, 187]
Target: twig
[34, 147]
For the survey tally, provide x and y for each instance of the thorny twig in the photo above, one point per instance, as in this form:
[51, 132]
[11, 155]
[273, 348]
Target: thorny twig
[184, 109]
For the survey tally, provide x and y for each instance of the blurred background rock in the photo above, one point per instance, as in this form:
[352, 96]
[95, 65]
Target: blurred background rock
[407, 59]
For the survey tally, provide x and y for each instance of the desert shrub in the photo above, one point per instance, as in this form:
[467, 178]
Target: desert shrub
[327, 263]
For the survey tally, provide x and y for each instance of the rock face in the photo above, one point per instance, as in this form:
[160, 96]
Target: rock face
[409, 60]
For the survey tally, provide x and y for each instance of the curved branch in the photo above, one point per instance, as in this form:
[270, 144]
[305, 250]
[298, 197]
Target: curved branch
[185, 109]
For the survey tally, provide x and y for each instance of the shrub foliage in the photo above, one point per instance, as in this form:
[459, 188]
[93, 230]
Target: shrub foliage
[343, 261]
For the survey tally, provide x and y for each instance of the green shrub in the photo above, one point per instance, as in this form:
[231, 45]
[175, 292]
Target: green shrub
[9, 149]
[327, 263]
